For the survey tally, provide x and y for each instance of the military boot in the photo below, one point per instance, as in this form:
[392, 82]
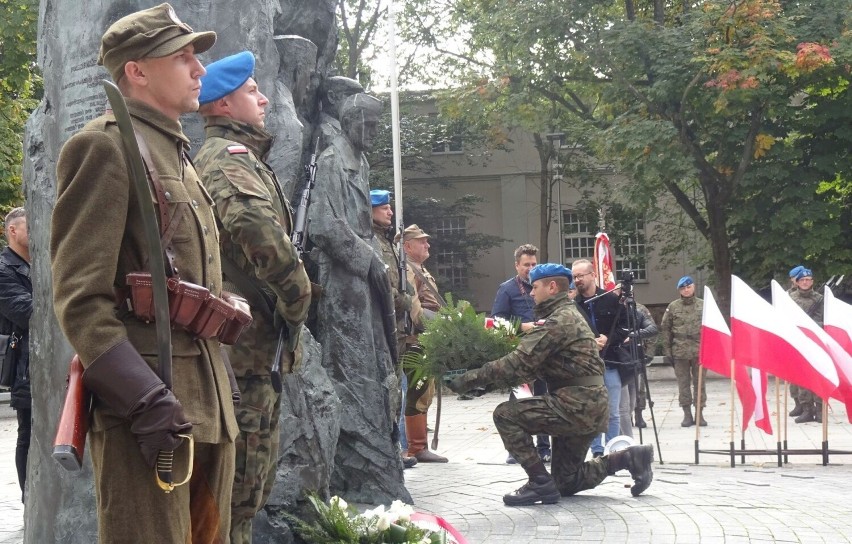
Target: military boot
[807, 414]
[818, 413]
[540, 488]
[415, 430]
[700, 417]
[636, 459]
[638, 421]
[797, 410]
[687, 417]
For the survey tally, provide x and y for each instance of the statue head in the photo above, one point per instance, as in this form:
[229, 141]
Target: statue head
[359, 119]
[297, 69]
[335, 90]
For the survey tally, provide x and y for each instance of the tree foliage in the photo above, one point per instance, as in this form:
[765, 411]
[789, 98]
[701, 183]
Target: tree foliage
[736, 110]
[20, 91]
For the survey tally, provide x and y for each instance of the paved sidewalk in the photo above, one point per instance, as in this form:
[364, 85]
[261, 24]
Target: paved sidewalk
[758, 502]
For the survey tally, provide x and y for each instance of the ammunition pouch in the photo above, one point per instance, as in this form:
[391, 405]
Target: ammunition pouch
[192, 307]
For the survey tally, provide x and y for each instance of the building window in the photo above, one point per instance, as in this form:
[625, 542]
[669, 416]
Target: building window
[450, 260]
[578, 241]
[447, 137]
[630, 251]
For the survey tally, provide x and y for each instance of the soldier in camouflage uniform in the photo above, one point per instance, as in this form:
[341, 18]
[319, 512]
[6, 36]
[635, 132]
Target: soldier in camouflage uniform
[255, 224]
[560, 349]
[681, 330]
[794, 389]
[403, 302]
[811, 302]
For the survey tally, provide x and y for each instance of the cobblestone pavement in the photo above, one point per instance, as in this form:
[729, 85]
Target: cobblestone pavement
[755, 502]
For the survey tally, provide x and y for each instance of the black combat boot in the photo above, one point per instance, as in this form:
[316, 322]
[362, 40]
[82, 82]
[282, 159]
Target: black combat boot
[687, 417]
[818, 412]
[700, 418]
[807, 414]
[636, 459]
[638, 421]
[797, 410]
[540, 488]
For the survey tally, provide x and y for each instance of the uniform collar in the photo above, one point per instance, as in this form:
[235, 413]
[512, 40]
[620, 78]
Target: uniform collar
[550, 305]
[255, 138]
[151, 116]
[688, 300]
[380, 230]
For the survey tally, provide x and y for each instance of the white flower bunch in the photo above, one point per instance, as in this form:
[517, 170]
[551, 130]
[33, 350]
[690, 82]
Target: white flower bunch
[504, 324]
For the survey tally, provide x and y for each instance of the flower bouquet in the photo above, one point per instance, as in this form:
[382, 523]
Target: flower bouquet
[459, 339]
[339, 523]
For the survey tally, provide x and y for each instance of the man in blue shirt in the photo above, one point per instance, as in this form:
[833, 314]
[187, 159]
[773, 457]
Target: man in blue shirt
[514, 302]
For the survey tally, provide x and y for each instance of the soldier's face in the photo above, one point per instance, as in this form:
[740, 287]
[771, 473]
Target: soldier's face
[524, 265]
[417, 249]
[543, 289]
[247, 104]
[687, 290]
[171, 84]
[383, 215]
[805, 284]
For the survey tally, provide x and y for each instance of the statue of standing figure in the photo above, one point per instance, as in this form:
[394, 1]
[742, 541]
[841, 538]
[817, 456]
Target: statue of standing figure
[353, 325]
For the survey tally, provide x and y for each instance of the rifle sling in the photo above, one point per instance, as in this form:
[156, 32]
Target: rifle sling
[428, 284]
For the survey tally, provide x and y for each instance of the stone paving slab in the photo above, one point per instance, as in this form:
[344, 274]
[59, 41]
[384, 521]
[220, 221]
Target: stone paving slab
[757, 502]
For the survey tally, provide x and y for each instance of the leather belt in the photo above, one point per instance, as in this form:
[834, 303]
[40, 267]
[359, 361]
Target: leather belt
[581, 381]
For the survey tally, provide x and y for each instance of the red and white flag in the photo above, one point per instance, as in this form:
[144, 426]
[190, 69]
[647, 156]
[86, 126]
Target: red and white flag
[765, 339]
[715, 353]
[837, 320]
[842, 360]
[603, 262]
[762, 419]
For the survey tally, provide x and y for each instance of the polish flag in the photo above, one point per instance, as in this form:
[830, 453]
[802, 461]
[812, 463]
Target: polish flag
[762, 420]
[842, 360]
[715, 353]
[765, 339]
[837, 320]
[603, 262]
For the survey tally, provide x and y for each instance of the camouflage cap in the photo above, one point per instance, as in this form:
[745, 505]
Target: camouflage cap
[150, 33]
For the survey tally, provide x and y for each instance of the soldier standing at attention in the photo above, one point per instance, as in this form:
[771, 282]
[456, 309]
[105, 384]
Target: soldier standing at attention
[403, 302]
[560, 349]
[809, 404]
[681, 330]
[254, 236]
[420, 394]
[97, 238]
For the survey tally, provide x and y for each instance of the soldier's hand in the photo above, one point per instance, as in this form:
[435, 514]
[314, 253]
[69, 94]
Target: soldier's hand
[157, 427]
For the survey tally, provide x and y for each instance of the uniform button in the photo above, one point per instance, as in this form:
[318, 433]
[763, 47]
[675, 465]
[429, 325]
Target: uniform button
[210, 258]
[210, 287]
[168, 196]
[194, 203]
[206, 230]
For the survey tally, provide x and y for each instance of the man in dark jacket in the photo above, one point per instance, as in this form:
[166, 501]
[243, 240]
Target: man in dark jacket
[561, 349]
[16, 307]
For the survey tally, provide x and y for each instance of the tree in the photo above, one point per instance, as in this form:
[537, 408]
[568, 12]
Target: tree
[20, 91]
[694, 100]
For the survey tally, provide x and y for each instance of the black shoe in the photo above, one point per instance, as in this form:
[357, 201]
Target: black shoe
[797, 411]
[640, 467]
[545, 455]
[808, 415]
[531, 493]
[408, 462]
[511, 460]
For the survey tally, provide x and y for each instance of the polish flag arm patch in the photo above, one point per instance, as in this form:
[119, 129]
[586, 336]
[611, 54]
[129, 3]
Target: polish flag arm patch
[237, 149]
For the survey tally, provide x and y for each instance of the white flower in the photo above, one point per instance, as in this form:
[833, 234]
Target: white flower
[504, 324]
[383, 522]
[337, 502]
[374, 513]
[401, 510]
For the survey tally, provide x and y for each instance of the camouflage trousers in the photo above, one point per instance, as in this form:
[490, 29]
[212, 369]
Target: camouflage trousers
[516, 420]
[256, 452]
[686, 371]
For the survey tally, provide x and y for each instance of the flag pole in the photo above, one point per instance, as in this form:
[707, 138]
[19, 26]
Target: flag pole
[397, 147]
[698, 411]
[786, 394]
[733, 401]
[778, 420]
[825, 431]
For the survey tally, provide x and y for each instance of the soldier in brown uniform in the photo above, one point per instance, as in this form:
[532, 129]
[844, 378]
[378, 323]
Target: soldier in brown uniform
[97, 238]
[420, 394]
[403, 302]
[560, 349]
[255, 226]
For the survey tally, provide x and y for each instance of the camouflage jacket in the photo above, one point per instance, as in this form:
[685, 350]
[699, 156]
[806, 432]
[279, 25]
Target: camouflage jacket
[254, 216]
[810, 301]
[403, 302]
[560, 347]
[681, 328]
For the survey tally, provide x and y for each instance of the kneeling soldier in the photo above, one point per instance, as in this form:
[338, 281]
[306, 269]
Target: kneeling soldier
[560, 349]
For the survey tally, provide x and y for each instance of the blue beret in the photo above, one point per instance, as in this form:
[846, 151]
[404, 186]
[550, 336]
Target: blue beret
[804, 273]
[226, 76]
[548, 270]
[795, 271]
[379, 197]
[684, 281]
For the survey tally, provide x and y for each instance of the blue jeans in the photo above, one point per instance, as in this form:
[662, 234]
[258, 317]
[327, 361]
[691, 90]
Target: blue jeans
[612, 381]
